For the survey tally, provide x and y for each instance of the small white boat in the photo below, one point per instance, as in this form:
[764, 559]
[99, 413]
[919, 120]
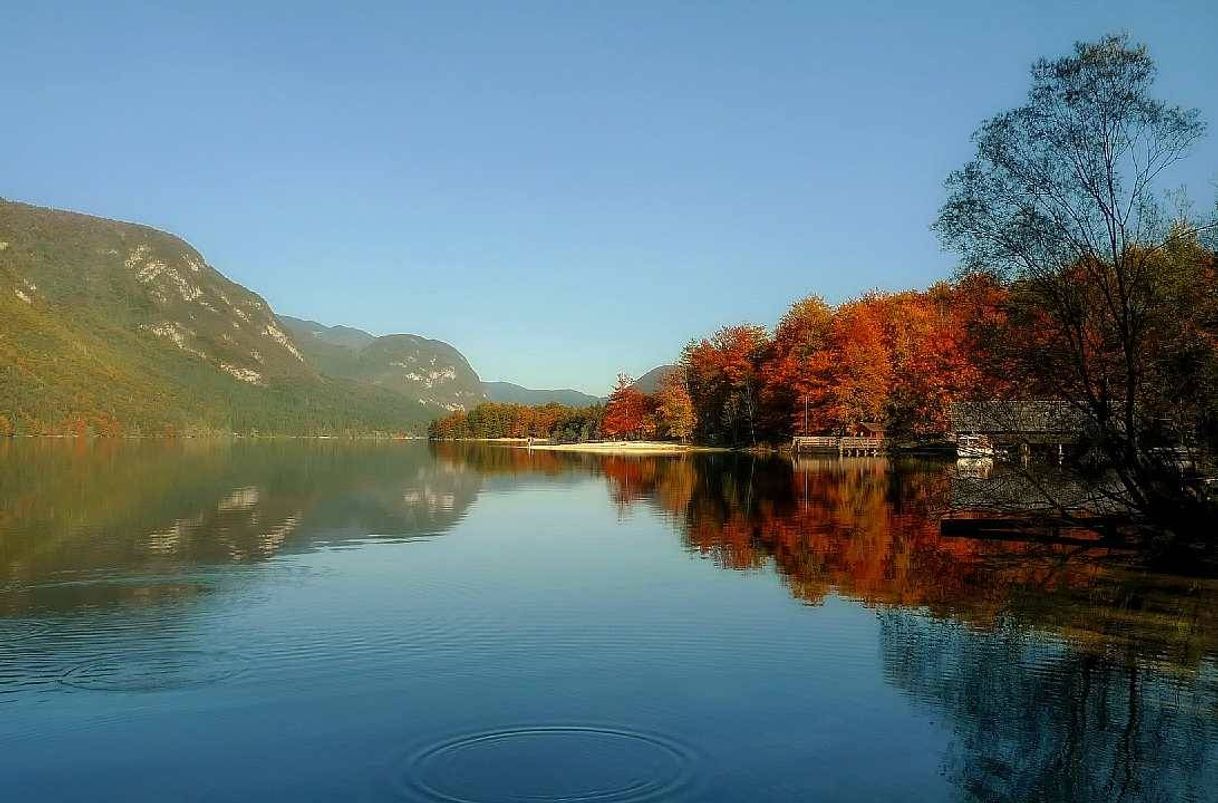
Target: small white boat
[972, 447]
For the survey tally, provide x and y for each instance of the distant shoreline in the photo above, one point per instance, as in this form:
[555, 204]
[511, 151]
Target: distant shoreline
[625, 447]
[596, 447]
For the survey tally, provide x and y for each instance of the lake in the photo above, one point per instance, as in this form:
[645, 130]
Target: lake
[332, 620]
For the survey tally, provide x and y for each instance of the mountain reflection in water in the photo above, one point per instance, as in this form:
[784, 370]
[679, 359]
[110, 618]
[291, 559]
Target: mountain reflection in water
[1057, 672]
[74, 513]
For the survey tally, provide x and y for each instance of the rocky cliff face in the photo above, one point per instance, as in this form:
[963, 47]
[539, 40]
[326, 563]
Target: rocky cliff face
[159, 288]
[114, 326]
[430, 372]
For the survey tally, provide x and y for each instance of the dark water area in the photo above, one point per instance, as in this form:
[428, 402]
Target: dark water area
[403, 621]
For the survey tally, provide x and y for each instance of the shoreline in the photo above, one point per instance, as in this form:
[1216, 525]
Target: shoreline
[625, 447]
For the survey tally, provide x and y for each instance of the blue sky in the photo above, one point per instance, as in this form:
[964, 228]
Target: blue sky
[561, 190]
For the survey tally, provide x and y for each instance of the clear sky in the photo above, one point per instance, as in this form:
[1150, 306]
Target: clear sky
[561, 190]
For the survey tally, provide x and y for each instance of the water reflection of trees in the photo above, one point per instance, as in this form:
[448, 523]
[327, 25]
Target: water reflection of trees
[1062, 672]
[868, 529]
[72, 513]
[1065, 673]
[1040, 720]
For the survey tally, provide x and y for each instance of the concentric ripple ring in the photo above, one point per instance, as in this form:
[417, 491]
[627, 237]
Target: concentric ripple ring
[154, 671]
[550, 764]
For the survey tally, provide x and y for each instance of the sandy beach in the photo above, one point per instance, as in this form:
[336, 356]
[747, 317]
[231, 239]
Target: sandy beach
[623, 447]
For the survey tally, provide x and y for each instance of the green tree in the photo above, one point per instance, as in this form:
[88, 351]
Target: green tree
[1062, 199]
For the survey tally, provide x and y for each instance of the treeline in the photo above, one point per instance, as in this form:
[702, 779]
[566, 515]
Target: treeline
[553, 421]
[892, 360]
[895, 361]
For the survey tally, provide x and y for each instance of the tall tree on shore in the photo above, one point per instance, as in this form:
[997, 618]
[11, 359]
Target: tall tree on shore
[795, 379]
[629, 413]
[1063, 200]
[675, 416]
[724, 382]
[860, 372]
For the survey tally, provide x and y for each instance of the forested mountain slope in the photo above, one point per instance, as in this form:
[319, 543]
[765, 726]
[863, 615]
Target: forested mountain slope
[430, 372]
[650, 382]
[515, 394]
[115, 328]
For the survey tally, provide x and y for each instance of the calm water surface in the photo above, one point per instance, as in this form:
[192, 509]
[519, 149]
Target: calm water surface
[335, 621]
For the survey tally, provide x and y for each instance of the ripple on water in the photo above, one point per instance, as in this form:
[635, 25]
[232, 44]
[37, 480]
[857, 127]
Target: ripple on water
[550, 764]
[154, 671]
[13, 631]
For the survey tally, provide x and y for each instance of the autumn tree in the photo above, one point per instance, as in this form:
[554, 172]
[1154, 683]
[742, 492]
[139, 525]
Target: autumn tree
[933, 362]
[500, 420]
[629, 413]
[860, 372]
[1062, 200]
[675, 416]
[796, 377]
[724, 380]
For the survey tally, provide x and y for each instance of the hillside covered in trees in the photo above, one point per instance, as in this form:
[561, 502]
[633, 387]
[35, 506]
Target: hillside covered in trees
[113, 328]
[516, 394]
[430, 372]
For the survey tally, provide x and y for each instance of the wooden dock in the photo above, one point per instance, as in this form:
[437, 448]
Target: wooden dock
[844, 446]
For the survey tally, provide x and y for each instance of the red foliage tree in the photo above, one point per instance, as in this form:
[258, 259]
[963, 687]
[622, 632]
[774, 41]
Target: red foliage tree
[795, 378]
[724, 381]
[629, 413]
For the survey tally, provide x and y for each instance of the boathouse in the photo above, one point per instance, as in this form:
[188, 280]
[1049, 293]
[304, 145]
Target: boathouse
[1015, 423]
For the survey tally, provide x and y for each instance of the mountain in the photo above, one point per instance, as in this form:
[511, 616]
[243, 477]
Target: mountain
[650, 381]
[515, 394]
[430, 372]
[116, 327]
[344, 336]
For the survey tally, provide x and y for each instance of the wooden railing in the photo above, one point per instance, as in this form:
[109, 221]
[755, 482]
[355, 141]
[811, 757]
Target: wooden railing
[842, 445]
[815, 442]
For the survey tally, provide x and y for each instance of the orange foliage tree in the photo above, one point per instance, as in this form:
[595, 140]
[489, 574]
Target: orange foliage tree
[896, 359]
[675, 417]
[724, 381]
[630, 414]
[797, 372]
[860, 365]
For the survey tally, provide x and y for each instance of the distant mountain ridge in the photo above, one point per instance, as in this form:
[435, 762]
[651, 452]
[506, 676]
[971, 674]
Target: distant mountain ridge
[515, 394]
[115, 327]
[430, 372]
[346, 336]
[650, 382]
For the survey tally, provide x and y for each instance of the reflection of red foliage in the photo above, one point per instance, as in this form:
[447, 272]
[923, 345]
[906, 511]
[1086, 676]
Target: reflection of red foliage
[867, 531]
[502, 460]
[839, 526]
